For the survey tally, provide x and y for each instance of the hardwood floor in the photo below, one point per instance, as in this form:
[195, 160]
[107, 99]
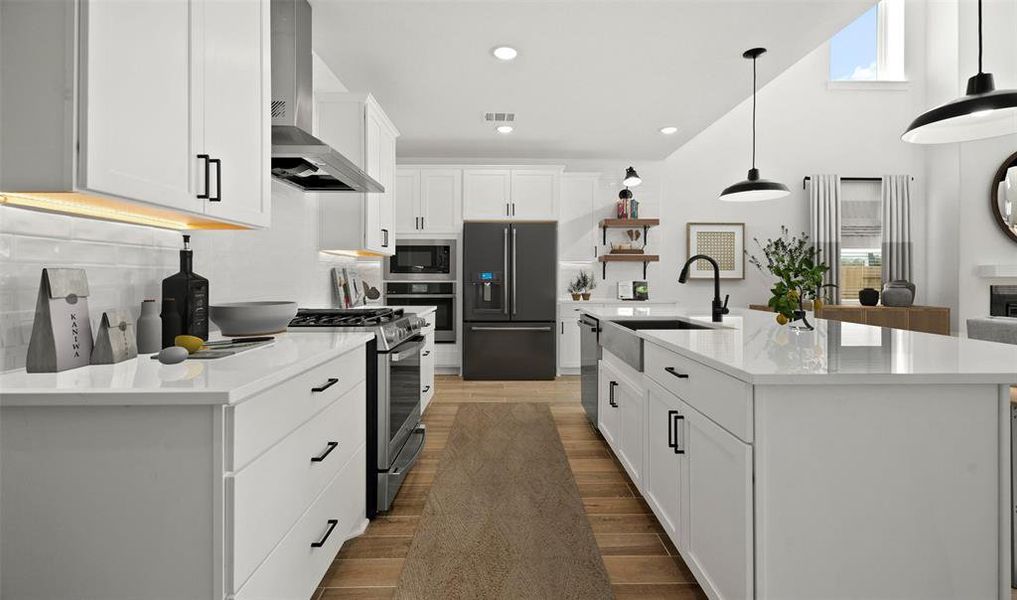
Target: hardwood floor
[640, 560]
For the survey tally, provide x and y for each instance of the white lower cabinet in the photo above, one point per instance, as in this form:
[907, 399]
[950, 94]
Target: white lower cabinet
[624, 404]
[666, 469]
[718, 492]
[427, 362]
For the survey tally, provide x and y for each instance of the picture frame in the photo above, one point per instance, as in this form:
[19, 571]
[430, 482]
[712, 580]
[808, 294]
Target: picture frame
[724, 242]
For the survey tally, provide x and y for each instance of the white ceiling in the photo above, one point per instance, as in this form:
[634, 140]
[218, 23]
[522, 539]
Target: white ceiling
[593, 78]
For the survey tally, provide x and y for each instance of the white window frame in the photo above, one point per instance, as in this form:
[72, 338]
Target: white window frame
[890, 49]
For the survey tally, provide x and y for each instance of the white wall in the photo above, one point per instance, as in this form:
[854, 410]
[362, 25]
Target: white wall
[805, 127]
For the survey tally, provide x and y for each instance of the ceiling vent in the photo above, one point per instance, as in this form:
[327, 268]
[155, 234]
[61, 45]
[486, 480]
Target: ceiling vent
[499, 117]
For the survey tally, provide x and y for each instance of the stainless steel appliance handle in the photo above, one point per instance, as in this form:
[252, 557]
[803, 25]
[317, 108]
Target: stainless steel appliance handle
[421, 295]
[412, 347]
[514, 232]
[504, 287]
[422, 430]
[548, 328]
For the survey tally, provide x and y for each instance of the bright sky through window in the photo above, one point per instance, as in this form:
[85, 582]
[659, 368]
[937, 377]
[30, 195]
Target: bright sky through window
[854, 51]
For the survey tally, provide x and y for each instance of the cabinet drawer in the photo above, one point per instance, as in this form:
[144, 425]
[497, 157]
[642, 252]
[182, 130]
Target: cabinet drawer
[271, 493]
[726, 400]
[294, 568]
[263, 420]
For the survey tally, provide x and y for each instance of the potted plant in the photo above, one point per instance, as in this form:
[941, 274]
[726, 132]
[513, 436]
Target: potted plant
[576, 286]
[799, 271]
[589, 284]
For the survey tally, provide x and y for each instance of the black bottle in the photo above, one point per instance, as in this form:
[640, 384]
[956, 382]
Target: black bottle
[171, 326]
[189, 292]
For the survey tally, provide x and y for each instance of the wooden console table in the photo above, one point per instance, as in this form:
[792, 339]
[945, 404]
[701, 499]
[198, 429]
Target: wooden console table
[930, 319]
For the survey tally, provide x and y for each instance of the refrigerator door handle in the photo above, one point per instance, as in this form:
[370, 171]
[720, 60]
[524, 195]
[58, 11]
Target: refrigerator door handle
[514, 238]
[547, 328]
[504, 287]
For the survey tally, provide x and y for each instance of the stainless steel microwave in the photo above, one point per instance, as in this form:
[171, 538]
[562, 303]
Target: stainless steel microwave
[422, 260]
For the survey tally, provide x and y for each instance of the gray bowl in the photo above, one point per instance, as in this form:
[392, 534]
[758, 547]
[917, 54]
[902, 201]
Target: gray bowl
[253, 318]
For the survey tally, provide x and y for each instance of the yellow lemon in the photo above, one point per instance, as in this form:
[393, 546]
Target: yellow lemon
[781, 319]
[793, 294]
[189, 342]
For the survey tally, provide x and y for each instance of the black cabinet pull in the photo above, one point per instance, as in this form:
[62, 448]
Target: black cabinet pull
[672, 430]
[205, 158]
[331, 446]
[331, 527]
[427, 353]
[563, 327]
[421, 222]
[385, 243]
[426, 389]
[610, 394]
[676, 373]
[321, 388]
[218, 179]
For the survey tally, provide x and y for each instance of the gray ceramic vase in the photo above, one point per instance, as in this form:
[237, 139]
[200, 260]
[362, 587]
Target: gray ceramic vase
[898, 293]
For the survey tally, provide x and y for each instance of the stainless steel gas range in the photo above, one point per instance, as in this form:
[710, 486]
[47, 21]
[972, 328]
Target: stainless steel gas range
[393, 394]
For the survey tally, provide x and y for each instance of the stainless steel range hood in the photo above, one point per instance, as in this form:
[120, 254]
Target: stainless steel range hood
[299, 158]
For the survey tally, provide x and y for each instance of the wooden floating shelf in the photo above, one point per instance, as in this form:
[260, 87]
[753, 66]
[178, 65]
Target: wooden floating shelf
[639, 258]
[629, 223]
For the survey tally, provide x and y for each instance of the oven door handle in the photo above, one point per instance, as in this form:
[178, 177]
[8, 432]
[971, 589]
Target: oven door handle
[421, 295]
[410, 350]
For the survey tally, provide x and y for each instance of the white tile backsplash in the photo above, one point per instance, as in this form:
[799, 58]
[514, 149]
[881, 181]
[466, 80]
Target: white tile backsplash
[126, 263]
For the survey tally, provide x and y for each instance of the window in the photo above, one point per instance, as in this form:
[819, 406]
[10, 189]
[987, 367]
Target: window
[872, 47]
[861, 230]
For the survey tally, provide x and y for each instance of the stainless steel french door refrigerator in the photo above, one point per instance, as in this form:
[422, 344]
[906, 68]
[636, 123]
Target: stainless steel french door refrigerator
[510, 275]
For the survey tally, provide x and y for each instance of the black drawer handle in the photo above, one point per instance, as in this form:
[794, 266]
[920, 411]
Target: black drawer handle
[331, 527]
[331, 446]
[676, 373]
[218, 180]
[672, 432]
[426, 389]
[321, 388]
[610, 396]
[205, 157]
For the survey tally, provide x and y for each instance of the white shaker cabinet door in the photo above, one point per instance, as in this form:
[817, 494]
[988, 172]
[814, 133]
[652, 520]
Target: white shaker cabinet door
[632, 405]
[441, 200]
[577, 233]
[569, 343]
[406, 197]
[719, 498]
[665, 461]
[607, 406]
[386, 200]
[236, 122]
[487, 193]
[535, 194]
[138, 138]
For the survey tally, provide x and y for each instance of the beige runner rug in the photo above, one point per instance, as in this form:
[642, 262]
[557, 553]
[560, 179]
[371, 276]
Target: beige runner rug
[504, 518]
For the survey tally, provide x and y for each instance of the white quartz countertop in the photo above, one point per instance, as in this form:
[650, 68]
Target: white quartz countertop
[651, 301]
[750, 345]
[143, 380]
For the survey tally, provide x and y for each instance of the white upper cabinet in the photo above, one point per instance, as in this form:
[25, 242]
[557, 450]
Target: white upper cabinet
[429, 200]
[356, 126]
[535, 194]
[577, 223]
[164, 83]
[513, 194]
[487, 194]
[237, 132]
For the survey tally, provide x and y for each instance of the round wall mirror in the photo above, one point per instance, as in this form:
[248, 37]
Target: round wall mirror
[1003, 197]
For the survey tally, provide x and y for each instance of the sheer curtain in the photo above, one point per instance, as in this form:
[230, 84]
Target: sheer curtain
[824, 210]
[898, 262]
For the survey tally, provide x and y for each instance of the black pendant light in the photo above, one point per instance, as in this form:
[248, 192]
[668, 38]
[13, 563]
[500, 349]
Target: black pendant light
[631, 178]
[983, 113]
[754, 189]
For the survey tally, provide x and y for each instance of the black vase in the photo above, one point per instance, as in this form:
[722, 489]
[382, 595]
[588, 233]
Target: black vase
[868, 297]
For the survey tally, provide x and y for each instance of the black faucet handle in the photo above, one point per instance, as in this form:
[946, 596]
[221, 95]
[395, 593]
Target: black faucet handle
[725, 308]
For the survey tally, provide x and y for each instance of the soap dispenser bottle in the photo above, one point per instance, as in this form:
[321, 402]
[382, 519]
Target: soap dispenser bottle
[189, 292]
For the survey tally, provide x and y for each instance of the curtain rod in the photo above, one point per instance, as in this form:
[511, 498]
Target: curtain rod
[807, 179]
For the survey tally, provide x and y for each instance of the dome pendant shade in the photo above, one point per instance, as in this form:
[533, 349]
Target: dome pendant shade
[631, 178]
[754, 189]
[983, 112]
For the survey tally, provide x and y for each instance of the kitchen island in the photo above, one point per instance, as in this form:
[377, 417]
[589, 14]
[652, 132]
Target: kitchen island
[846, 462]
[236, 477]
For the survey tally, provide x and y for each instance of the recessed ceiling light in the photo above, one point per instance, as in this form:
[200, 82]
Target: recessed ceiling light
[505, 53]
[504, 129]
[669, 130]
